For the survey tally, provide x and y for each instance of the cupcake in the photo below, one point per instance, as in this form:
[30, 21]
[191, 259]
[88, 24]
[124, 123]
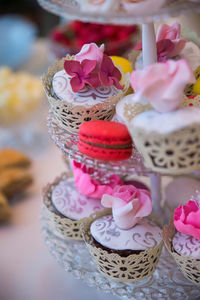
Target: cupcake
[66, 207]
[83, 88]
[168, 136]
[170, 45]
[125, 245]
[182, 239]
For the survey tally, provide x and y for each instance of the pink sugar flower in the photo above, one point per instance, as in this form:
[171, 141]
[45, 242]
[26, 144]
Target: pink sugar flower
[187, 219]
[82, 73]
[162, 84]
[90, 187]
[109, 74]
[128, 204]
[169, 42]
[91, 52]
[172, 33]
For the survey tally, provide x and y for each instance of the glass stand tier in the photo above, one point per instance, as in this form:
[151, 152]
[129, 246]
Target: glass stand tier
[70, 9]
[167, 282]
[68, 143]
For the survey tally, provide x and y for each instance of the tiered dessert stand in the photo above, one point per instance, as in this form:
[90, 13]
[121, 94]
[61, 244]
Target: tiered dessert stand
[167, 282]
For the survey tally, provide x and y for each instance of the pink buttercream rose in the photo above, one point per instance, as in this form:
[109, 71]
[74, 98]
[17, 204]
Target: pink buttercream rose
[172, 33]
[162, 84]
[91, 52]
[90, 187]
[128, 204]
[187, 219]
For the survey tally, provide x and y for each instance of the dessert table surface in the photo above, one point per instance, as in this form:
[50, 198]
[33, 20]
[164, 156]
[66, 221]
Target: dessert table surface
[28, 271]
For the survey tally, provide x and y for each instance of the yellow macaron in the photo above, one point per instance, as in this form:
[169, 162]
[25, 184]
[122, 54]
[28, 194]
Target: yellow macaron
[123, 63]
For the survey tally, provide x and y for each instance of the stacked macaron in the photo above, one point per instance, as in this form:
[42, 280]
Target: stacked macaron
[105, 140]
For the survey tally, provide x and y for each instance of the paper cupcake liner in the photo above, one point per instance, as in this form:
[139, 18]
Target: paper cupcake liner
[64, 227]
[131, 110]
[133, 57]
[132, 268]
[189, 267]
[70, 116]
[175, 153]
[195, 102]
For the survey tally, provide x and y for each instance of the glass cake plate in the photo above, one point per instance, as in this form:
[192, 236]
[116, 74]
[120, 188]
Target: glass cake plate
[70, 9]
[68, 143]
[167, 282]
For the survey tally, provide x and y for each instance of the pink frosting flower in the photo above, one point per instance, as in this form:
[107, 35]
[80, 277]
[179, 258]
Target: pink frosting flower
[162, 84]
[164, 48]
[187, 219]
[129, 205]
[169, 43]
[91, 52]
[82, 73]
[172, 33]
[90, 187]
[109, 74]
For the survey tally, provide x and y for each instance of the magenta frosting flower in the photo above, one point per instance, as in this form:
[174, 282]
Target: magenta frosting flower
[90, 187]
[172, 33]
[128, 204]
[92, 67]
[169, 42]
[91, 52]
[109, 74]
[162, 84]
[187, 219]
[82, 73]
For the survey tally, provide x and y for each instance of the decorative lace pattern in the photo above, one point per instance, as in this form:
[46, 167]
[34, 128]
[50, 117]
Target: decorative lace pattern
[189, 87]
[70, 117]
[190, 267]
[132, 268]
[175, 153]
[64, 227]
[132, 110]
[191, 102]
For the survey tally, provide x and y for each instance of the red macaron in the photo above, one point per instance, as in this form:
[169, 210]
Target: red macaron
[105, 140]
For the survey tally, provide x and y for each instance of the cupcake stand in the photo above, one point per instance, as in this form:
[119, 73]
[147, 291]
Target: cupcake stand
[167, 282]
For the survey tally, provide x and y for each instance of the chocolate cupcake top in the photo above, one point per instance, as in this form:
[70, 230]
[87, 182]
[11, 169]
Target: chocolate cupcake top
[70, 203]
[142, 236]
[186, 245]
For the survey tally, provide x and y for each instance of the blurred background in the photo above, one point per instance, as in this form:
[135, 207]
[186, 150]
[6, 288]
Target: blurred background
[31, 39]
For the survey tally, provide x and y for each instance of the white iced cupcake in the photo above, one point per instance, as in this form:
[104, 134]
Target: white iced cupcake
[182, 239]
[168, 136]
[66, 208]
[125, 245]
[169, 142]
[83, 88]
